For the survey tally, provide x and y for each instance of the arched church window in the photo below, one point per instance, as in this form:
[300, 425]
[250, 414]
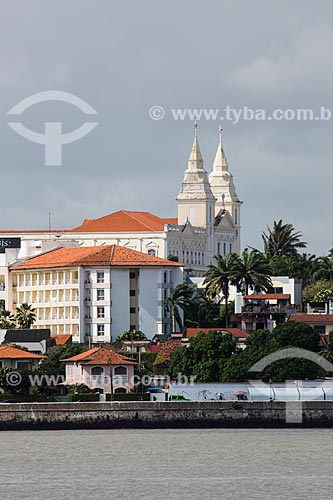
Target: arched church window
[152, 252]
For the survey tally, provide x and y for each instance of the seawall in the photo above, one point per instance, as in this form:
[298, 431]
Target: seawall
[224, 414]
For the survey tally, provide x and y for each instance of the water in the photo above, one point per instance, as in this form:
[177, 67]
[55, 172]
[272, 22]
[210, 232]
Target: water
[166, 465]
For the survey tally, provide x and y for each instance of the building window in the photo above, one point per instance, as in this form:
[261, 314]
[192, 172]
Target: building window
[224, 249]
[165, 277]
[132, 275]
[100, 295]
[230, 247]
[23, 365]
[132, 310]
[100, 312]
[152, 252]
[236, 216]
[100, 276]
[97, 371]
[278, 289]
[321, 330]
[120, 370]
[100, 330]
[218, 248]
[132, 293]
[120, 390]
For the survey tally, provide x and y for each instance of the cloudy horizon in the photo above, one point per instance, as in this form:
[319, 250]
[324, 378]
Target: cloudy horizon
[124, 58]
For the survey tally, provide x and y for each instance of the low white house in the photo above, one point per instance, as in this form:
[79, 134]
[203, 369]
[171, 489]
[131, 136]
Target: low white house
[96, 292]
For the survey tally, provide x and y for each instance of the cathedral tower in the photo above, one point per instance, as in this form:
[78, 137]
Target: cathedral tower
[223, 188]
[196, 201]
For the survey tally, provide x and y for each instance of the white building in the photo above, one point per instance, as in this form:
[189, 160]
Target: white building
[95, 292]
[208, 223]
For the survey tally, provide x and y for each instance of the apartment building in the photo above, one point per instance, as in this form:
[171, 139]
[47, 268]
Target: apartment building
[96, 292]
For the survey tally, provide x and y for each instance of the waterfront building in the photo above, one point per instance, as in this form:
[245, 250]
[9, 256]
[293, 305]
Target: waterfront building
[101, 370]
[96, 293]
[17, 359]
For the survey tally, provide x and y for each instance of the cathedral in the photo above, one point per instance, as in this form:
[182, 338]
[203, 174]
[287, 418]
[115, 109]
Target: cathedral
[208, 222]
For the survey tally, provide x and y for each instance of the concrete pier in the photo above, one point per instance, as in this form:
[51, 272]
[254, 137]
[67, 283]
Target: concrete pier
[116, 415]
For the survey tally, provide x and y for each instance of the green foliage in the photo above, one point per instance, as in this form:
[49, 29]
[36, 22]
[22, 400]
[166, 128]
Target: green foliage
[53, 364]
[204, 357]
[282, 239]
[293, 333]
[317, 289]
[7, 320]
[21, 389]
[215, 358]
[173, 258]
[132, 335]
[25, 316]
[179, 299]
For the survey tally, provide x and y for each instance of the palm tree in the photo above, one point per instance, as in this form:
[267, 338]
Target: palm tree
[7, 320]
[25, 316]
[219, 278]
[282, 239]
[327, 350]
[254, 271]
[324, 267]
[178, 300]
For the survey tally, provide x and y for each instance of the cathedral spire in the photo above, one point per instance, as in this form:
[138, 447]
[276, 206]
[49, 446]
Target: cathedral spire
[195, 160]
[220, 162]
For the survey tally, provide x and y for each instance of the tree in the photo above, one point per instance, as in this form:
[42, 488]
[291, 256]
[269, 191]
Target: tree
[132, 335]
[53, 364]
[296, 334]
[178, 300]
[205, 356]
[7, 320]
[324, 267]
[25, 316]
[254, 271]
[300, 266]
[219, 278]
[282, 239]
[316, 291]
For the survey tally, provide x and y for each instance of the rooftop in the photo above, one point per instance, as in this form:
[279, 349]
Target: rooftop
[61, 338]
[268, 296]
[125, 222]
[312, 318]
[9, 352]
[235, 332]
[108, 255]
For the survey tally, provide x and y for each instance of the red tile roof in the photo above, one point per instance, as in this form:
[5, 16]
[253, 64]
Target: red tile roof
[62, 338]
[269, 296]
[312, 318]
[108, 255]
[118, 222]
[235, 332]
[165, 349]
[100, 356]
[9, 352]
[125, 222]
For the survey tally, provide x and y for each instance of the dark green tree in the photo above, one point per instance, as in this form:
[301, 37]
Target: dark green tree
[205, 356]
[179, 299]
[282, 239]
[220, 276]
[25, 316]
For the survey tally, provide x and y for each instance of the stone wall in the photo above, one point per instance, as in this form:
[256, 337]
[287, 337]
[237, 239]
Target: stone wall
[165, 414]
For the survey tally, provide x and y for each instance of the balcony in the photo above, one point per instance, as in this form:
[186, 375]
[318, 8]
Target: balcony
[120, 379]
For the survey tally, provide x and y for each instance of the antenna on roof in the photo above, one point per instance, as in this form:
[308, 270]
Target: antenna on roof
[50, 223]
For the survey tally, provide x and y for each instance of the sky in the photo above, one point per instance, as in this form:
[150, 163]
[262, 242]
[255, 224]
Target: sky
[125, 57]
